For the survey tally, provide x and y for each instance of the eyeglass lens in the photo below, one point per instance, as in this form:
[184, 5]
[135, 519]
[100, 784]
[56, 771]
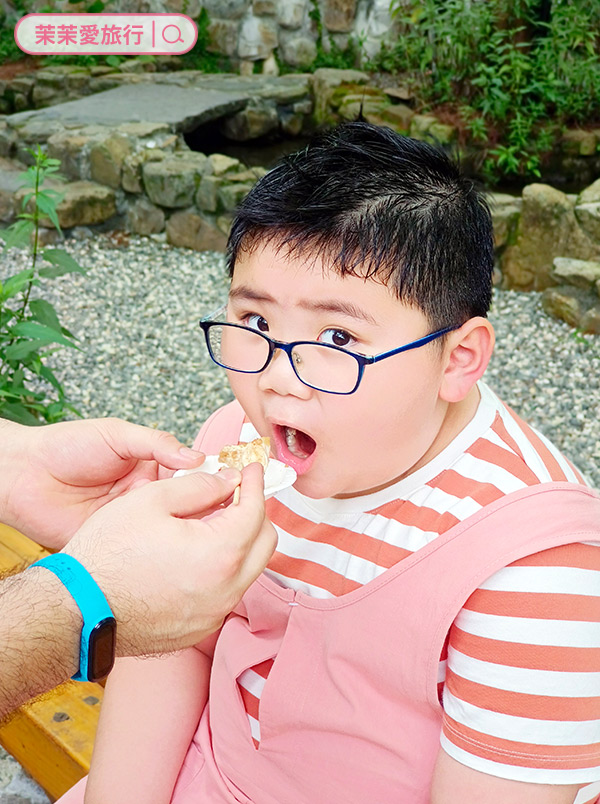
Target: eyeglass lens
[315, 364]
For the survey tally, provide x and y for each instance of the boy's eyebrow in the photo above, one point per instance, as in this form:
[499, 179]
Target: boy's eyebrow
[327, 305]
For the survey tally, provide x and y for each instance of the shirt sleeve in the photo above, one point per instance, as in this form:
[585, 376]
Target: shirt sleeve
[522, 690]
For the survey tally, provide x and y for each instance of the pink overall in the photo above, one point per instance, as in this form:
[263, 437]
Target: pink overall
[350, 710]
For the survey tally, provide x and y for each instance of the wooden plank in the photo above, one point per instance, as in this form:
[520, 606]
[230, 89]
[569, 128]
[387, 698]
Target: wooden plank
[53, 736]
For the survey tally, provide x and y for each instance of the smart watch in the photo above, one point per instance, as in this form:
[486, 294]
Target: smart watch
[98, 635]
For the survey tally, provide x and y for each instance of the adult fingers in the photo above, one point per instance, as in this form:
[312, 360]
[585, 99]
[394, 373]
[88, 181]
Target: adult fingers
[144, 443]
[192, 495]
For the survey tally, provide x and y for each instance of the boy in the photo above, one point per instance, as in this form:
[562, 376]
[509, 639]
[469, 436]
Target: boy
[438, 561]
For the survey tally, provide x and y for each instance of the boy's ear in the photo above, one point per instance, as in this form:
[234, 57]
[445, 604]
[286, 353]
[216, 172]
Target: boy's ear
[467, 354]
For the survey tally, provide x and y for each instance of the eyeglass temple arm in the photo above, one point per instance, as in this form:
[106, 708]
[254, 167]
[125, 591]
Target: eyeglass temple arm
[414, 345]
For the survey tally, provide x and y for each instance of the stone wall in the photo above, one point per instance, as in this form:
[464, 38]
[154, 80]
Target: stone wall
[249, 31]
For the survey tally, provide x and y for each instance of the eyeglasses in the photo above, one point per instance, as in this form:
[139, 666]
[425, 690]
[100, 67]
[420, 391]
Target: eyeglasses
[321, 366]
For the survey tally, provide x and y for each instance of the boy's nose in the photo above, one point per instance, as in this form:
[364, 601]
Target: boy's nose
[279, 377]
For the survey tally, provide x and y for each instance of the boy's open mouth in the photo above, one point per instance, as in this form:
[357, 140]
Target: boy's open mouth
[294, 447]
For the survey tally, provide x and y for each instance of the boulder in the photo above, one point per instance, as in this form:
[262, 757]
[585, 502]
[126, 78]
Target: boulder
[131, 175]
[173, 181]
[291, 13]
[579, 273]
[257, 38]
[84, 203]
[73, 149]
[338, 15]
[564, 302]
[187, 229]
[219, 164]
[207, 198]
[428, 128]
[264, 7]
[588, 216]
[257, 119]
[577, 142]
[223, 36]
[505, 210]
[325, 81]
[590, 321]
[397, 116]
[231, 195]
[106, 160]
[298, 51]
[591, 194]
[144, 218]
[226, 9]
[547, 229]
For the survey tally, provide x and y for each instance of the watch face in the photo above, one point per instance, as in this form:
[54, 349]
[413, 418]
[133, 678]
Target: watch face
[101, 650]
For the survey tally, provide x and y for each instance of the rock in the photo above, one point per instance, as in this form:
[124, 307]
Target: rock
[106, 160]
[144, 218]
[219, 164]
[257, 119]
[578, 142]
[84, 204]
[226, 9]
[223, 36]
[189, 230]
[270, 66]
[173, 181]
[338, 15]
[325, 82]
[588, 216]
[564, 302]
[7, 206]
[591, 194]
[291, 123]
[505, 210]
[264, 7]
[398, 117]
[547, 229]
[231, 195]
[246, 67]
[257, 38]
[442, 133]
[420, 125]
[73, 149]
[291, 13]
[206, 197]
[579, 273]
[132, 168]
[590, 321]
[78, 82]
[298, 51]
[143, 130]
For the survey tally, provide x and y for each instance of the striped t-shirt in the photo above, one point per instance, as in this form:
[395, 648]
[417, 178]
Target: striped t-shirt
[519, 677]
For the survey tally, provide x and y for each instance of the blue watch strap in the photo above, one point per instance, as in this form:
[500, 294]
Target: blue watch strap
[87, 595]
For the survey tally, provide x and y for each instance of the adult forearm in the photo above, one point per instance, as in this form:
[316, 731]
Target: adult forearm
[40, 628]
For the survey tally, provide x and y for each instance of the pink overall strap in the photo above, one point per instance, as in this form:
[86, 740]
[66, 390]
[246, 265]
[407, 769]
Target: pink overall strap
[222, 427]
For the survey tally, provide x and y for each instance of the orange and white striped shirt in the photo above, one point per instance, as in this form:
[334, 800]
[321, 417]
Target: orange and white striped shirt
[520, 675]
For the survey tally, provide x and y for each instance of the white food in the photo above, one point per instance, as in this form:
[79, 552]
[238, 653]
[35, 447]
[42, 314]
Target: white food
[278, 475]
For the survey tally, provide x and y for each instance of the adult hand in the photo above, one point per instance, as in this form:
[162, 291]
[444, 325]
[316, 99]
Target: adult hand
[54, 477]
[169, 577]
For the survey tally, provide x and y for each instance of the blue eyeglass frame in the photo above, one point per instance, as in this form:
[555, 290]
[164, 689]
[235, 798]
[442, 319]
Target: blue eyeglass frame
[362, 360]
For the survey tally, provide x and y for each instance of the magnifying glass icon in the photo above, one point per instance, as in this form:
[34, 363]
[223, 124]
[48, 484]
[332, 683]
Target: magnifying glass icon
[179, 38]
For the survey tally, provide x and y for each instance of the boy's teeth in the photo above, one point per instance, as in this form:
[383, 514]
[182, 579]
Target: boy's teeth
[292, 443]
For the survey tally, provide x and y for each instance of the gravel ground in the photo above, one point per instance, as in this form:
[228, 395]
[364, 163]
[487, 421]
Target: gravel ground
[143, 358]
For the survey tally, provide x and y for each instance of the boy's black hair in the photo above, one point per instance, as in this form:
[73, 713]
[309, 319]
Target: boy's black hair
[370, 202]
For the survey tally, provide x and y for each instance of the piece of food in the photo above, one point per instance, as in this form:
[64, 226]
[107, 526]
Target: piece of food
[240, 455]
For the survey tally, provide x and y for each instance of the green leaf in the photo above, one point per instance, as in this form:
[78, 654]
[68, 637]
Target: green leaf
[19, 234]
[15, 284]
[112, 61]
[48, 207]
[21, 350]
[63, 262]
[45, 313]
[48, 375]
[41, 333]
[17, 412]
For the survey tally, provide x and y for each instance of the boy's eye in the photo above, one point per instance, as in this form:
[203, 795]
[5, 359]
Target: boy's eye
[257, 322]
[337, 337]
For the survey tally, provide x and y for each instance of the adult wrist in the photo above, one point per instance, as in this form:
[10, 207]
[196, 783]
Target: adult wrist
[11, 456]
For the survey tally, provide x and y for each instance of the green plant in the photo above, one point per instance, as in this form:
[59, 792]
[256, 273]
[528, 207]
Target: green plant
[514, 77]
[29, 328]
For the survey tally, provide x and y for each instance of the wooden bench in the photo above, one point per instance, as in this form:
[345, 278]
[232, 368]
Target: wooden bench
[52, 737]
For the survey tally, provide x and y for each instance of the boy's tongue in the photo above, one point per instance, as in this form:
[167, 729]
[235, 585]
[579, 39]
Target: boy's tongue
[295, 448]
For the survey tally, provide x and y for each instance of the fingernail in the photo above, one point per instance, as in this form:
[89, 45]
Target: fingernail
[190, 454]
[230, 474]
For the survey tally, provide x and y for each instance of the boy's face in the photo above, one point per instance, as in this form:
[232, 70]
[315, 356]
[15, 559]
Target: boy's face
[344, 445]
